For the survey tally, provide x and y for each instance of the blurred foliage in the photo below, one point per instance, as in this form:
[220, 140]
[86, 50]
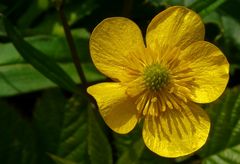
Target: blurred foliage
[43, 124]
[223, 145]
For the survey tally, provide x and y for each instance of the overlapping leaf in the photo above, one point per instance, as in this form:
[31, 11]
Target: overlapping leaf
[38, 60]
[16, 76]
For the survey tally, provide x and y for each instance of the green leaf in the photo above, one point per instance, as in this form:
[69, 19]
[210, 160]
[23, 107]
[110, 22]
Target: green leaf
[66, 132]
[75, 10]
[231, 30]
[18, 140]
[130, 148]
[40, 61]
[150, 157]
[2, 7]
[54, 47]
[22, 78]
[158, 3]
[18, 77]
[48, 119]
[2, 30]
[205, 7]
[122, 142]
[228, 39]
[229, 155]
[10, 124]
[232, 9]
[215, 18]
[35, 9]
[137, 153]
[133, 154]
[82, 139]
[70, 132]
[223, 143]
[60, 160]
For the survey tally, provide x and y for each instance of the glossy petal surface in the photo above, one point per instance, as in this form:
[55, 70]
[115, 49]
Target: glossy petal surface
[117, 110]
[177, 133]
[111, 44]
[210, 70]
[176, 27]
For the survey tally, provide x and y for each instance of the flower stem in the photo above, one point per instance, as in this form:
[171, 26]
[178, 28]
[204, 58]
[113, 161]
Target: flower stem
[69, 37]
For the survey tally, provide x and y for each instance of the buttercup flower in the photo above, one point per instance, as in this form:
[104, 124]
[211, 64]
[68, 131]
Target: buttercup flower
[159, 81]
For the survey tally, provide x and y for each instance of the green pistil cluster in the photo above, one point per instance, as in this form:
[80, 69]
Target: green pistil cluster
[155, 77]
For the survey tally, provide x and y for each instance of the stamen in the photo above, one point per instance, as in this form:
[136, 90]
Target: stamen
[155, 77]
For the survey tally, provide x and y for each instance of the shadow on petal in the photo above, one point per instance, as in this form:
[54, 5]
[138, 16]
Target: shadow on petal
[177, 133]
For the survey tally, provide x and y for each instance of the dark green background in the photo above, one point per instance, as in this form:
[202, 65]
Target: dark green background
[44, 119]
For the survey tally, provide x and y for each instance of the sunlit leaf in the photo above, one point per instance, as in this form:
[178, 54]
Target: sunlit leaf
[38, 60]
[22, 78]
[54, 47]
[19, 77]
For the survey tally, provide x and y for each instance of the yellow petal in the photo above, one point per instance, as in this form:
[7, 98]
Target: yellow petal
[177, 133]
[117, 110]
[111, 44]
[210, 70]
[176, 27]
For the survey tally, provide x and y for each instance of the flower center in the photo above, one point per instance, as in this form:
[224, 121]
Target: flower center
[155, 77]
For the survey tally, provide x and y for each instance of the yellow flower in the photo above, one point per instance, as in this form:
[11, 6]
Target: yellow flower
[159, 81]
